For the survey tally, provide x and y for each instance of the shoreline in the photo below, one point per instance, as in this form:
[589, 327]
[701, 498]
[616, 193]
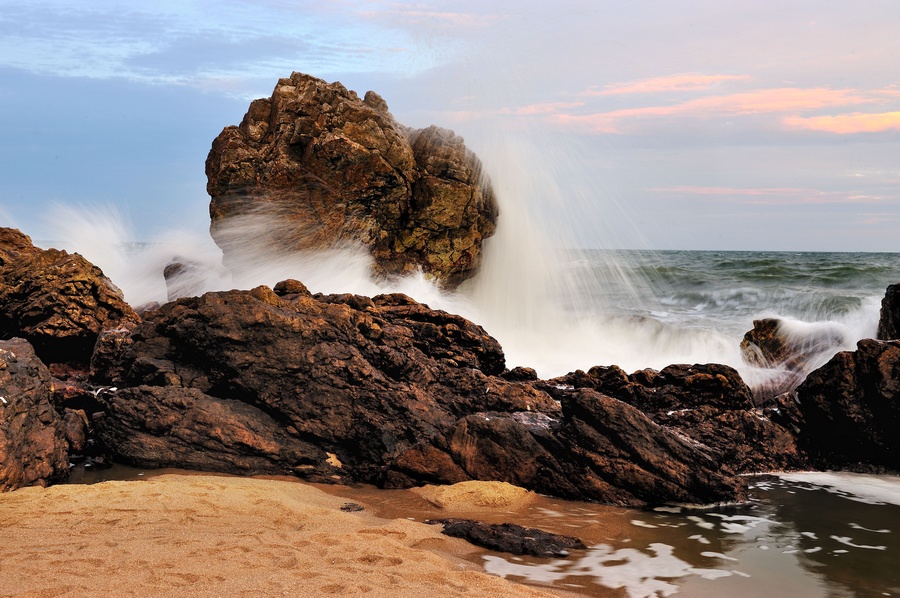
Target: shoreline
[172, 534]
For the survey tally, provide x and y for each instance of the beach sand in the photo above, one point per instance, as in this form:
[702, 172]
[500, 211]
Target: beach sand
[207, 535]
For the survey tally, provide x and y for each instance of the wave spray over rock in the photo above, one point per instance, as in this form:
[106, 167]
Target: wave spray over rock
[319, 185]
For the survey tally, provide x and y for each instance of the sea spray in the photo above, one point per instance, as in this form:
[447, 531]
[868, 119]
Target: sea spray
[552, 309]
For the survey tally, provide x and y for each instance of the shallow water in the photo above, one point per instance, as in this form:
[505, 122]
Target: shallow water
[802, 535]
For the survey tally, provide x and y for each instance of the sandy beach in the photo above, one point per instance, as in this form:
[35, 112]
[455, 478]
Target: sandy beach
[205, 535]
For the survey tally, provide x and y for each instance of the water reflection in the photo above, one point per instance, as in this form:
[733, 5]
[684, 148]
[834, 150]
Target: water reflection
[798, 537]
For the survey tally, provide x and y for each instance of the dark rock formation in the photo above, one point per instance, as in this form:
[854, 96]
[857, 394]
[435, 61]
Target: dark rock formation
[889, 322]
[598, 449]
[330, 168]
[849, 409]
[33, 448]
[709, 404]
[509, 537]
[790, 350]
[381, 390]
[59, 302]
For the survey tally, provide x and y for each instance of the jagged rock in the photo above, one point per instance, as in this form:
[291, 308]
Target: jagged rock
[58, 301]
[708, 403]
[329, 169]
[33, 448]
[850, 408]
[790, 349]
[380, 390]
[509, 537]
[889, 322]
[170, 426]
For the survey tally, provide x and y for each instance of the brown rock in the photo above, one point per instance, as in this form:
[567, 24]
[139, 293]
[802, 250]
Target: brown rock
[327, 169]
[59, 302]
[792, 350]
[708, 403]
[850, 408]
[380, 390]
[889, 322]
[509, 537]
[33, 448]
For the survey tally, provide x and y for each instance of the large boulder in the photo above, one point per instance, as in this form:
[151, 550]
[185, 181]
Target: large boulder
[33, 446]
[889, 322]
[58, 301]
[327, 169]
[379, 390]
[849, 409]
[708, 403]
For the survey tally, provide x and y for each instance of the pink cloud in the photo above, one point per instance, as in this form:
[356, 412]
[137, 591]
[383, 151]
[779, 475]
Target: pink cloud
[661, 84]
[844, 124]
[772, 195]
[538, 109]
[762, 101]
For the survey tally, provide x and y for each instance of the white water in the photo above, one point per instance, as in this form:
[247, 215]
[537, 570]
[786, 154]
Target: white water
[546, 313]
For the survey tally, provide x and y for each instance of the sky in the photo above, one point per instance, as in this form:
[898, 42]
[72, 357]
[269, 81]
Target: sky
[698, 124]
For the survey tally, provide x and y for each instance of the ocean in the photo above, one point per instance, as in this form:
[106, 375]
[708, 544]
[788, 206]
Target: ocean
[823, 534]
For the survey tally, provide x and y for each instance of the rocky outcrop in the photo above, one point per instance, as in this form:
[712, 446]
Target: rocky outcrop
[708, 403]
[58, 301]
[33, 446]
[849, 409]
[509, 537]
[380, 390]
[790, 350]
[327, 168]
[889, 322]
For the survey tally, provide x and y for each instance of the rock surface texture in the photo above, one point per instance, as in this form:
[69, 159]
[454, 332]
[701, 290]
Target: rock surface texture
[889, 322]
[509, 537]
[849, 409]
[790, 350]
[708, 403]
[58, 301]
[33, 446]
[324, 168]
[381, 390]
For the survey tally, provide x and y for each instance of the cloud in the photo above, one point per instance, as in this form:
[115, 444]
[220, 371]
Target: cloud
[663, 84]
[760, 101]
[541, 108]
[845, 124]
[771, 195]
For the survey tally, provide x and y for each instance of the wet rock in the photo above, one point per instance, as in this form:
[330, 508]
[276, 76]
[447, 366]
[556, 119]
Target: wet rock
[33, 447]
[509, 537]
[790, 349]
[313, 167]
[850, 409]
[184, 278]
[889, 322]
[59, 302]
[76, 428]
[598, 449]
[708, 403]
[378, 390]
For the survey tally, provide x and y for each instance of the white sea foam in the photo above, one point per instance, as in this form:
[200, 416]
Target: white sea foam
[642, 574]
[870, 489]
